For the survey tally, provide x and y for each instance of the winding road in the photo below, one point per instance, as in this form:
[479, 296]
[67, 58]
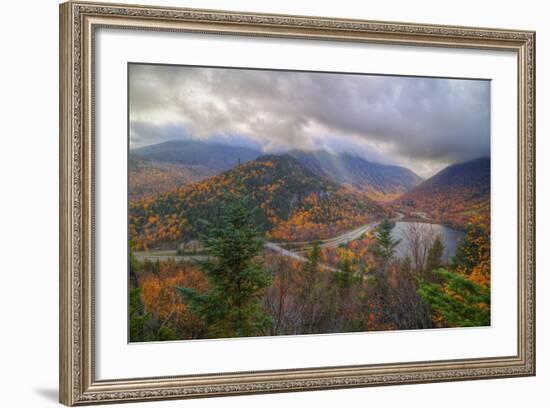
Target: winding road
[301, 248]
[294, 250]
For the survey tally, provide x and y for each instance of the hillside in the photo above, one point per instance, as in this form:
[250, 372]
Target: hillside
[150, 178]
[172, 164]
[215, 156]
[453, 195]
[292, 203]
[165, 166]
[380, 181]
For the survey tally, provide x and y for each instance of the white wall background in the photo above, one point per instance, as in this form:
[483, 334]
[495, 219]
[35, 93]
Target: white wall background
[29, 191]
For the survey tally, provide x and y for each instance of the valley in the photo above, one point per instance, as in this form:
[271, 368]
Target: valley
[267, 202]
[298, 196]
[452, 196]
[337, 225]
[294, 250]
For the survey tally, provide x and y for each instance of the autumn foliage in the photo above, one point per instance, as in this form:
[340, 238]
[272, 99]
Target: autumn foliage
[293, 203]
[161, 300]
[239, 287]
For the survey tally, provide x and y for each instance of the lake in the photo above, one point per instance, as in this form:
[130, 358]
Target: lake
[449, 236]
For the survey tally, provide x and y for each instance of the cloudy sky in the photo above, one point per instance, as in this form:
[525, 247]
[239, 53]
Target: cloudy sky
[421, 123]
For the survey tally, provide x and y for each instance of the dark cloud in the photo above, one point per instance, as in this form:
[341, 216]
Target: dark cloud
[422, 123]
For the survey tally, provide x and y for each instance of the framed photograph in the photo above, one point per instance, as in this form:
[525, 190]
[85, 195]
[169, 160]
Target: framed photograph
[256, 203]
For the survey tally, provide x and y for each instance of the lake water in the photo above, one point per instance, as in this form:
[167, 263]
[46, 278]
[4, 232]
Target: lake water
[450, 237]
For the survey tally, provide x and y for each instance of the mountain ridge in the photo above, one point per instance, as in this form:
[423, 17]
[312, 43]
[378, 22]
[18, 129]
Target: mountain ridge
[196, 152]
[294, 204]
[193, 161]
[453, 195]
[379, 181]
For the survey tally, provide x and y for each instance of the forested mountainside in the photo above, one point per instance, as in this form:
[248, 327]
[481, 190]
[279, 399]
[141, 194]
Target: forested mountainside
[380, 181]
[159, 168]
[453, 195]
[293, 204]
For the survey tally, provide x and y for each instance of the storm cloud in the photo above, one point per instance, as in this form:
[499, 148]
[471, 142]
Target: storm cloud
[421, 123]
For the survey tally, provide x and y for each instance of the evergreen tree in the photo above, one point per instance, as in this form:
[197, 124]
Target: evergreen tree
[434, 258]
[473, 255]
[311, 267]
[344, 275]
[385, 244]
[232, 306]
[459, 301]
[471, 250]
[309, 292]
[144, 327]
[461, 296]
[134, 269]
[138, 318]
[346, 295]
[383, 250]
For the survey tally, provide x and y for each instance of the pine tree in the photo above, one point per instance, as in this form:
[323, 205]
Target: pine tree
[434, 258]
[232, 306]
[473, 255]
[311, 267]
[309, 292]
[385, 244]
[471, 250]
[461, 296]
[459, 301]
[344, 275]
[345, 294]
[138, 318]
[383, 250]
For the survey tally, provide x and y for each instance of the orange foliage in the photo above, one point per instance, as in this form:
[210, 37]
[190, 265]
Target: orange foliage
[149, 179]
[452, 207]
[161, 299]
[289, 214]
[481, 237]
[356, 251]
[321, 219]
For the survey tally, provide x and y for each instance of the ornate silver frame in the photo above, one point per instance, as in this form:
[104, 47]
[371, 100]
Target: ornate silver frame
[78, 22]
